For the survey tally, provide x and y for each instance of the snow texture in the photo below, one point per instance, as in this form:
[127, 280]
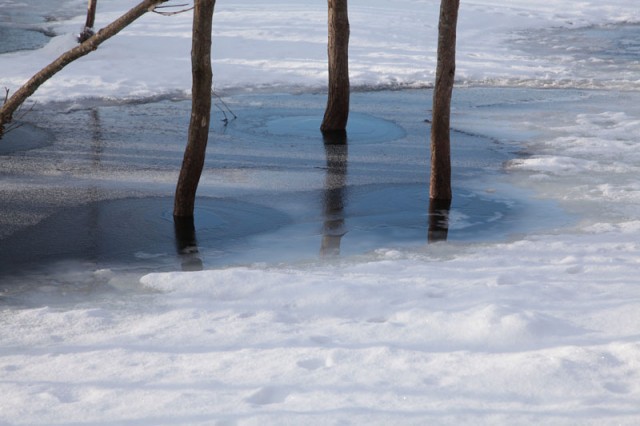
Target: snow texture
[541, 329]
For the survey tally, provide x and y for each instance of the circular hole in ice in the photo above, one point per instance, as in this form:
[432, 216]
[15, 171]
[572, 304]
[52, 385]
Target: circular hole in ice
[362, 128]
[124, 230]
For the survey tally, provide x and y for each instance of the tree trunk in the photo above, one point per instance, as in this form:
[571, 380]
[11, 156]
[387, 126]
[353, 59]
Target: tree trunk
[337, 111]
[194, 154]
[91, 44]
[91, 19]
[440, 185]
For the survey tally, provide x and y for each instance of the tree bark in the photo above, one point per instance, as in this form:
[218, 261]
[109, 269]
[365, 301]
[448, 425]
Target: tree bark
[91, 44]
[194, 154]
[440, 185]
[89, 23]
[337, 112]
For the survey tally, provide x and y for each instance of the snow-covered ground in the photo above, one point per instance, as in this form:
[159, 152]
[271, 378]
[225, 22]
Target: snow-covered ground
[284, 45]
[542, 328]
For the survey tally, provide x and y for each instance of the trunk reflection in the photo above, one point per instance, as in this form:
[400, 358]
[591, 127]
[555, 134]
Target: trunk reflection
[335, 146]
[438, 220]
[187, 244]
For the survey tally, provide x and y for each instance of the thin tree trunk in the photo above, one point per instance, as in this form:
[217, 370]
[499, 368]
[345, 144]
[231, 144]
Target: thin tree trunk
[91, 13]
[18, 98]
[337, 111]
[91, 19]
[194, 154]
[440, 185]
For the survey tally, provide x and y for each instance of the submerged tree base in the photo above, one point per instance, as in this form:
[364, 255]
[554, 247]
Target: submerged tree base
[438, 220]
[334, 137]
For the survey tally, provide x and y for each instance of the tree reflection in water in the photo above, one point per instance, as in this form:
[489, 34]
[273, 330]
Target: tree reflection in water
[333, 205]
[336, 150]
[438, 220]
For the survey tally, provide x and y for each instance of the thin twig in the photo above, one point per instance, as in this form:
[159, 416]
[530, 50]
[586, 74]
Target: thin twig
[224, 104]
[166, 6]
[155, 9]
[225, 119]
[24, 113]
[12, 126]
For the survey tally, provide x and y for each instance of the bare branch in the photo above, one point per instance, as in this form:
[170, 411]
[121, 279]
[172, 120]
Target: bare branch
[24, 113]
[13, 126]
[155, 9]
[87, 32]
[226, 120]
[12, 103]
[167, 6]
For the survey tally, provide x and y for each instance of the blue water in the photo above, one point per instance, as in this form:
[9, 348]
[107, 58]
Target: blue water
[272, 191]
[28, 24]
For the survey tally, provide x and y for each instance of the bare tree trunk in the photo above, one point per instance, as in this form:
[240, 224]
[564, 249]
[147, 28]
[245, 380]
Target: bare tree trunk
[337, 111]
[18, 98]
[194, 154]
[440, 185]
[91, 19]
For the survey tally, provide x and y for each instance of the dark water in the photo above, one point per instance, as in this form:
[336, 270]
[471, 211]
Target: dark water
[134, 231]
[14, 39]
[24, 137]
[29, 24]
[141, 233]
[100, 194]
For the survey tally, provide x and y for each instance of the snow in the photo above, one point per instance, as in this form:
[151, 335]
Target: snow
[287, 44]
[539, 328]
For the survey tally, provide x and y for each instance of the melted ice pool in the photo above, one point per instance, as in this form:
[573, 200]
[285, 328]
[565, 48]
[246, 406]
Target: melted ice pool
[101, 192]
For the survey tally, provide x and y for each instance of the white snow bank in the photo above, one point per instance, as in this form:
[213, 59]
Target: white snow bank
[542, 329]
[284, 45]
[442, 336]
[593, 159]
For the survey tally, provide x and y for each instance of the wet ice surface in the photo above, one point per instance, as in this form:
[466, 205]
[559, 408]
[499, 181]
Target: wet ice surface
[24, 137]
[595, 56]
[27, 25]
[541, 327]
[21, 39]
[100, 195]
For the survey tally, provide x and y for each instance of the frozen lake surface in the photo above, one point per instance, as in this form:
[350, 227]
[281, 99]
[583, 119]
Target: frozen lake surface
[100, 192]
[596, 56]
[30, 26]
[321, 300]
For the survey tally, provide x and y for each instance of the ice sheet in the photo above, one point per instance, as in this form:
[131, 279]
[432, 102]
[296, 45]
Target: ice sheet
[540, 328]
